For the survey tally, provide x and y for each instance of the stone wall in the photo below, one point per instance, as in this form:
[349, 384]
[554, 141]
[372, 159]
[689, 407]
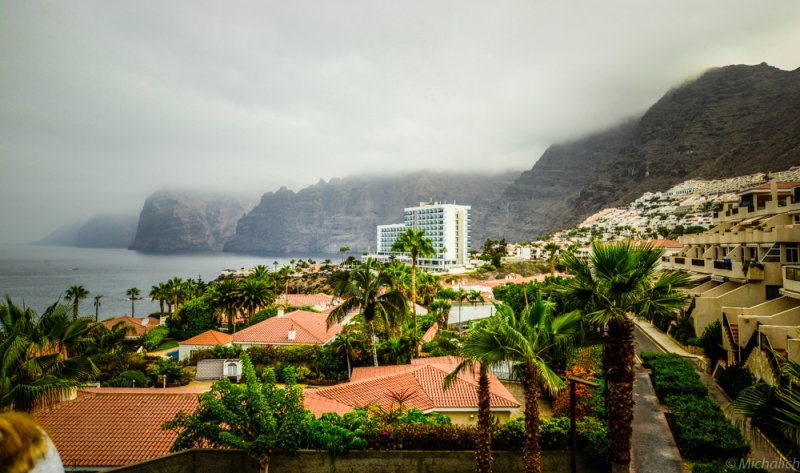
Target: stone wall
[229, 461]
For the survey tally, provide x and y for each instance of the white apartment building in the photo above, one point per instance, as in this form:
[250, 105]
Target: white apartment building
[447, 225]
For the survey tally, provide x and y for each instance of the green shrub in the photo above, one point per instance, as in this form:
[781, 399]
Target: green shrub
[735, 379]
[223, 352]
[330, 432]
[710, 341]
[153, 338]
[672, 375]
[264, 314]
[128, 379]
[179, 334]
[702, 431]
[197, 314]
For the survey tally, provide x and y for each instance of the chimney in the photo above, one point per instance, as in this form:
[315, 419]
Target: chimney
[280, 311]
[773, 190]
[292, 333]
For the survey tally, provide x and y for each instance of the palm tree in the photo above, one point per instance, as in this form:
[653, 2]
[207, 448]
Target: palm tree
[159, 293]
[228, 299]
[427, 286]
[441, 307]
[414, 241]
[133, 295]
[373, 293]
[344, 250]
[75, 294]
[528, 339]
[285, 272]
[477, 361]
[260, 272]
[618, 282]
[175, 286]
[552, 248]
[97, 307]
[110, 339]
[255, 294]
[348, 343]
[35, 367]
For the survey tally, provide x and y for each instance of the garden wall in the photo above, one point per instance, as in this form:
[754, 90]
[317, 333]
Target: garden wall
[228, 461]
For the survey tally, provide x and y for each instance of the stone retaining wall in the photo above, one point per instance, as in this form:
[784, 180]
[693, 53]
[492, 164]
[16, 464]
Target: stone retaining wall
[397, 461]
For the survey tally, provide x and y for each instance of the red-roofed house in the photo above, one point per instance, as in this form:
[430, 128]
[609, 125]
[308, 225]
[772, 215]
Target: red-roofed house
[317, 301]
[295, 328]
[106, 429]
[140, 325]
[420, 384]
[204, 341]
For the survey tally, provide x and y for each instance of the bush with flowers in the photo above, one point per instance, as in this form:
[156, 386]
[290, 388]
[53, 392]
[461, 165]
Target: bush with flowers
[589, 401]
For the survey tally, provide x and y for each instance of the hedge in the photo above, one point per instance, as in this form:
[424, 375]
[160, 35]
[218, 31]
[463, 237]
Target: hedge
[720, 467]
[701, 430]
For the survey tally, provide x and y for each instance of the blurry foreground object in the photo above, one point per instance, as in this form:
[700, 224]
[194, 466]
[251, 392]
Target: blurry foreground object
[25, 447]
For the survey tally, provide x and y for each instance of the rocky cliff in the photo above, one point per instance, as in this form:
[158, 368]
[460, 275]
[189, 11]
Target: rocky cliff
[107, 231]
[345, 212]
[65, 235]
[188, 221]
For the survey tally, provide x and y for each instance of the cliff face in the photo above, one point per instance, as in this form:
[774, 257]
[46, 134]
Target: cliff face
[732, 121]
[541, 197]
[327, 216]
[107, 231]
[187, 221]
[65, 235]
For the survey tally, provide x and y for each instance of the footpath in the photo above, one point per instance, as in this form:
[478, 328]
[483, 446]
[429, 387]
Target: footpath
[763, 451]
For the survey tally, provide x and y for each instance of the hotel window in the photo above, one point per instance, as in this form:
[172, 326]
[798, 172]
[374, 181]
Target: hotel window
[797, 219]
[773, 292]
[792, 253]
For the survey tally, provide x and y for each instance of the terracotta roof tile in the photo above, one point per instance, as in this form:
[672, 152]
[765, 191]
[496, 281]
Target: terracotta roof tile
[136, 323]
[298, 300]
[780, 185]
[114, 429]
[320, 404]
[430, 334]
[310, 327]
[212, 337]
[422, 380]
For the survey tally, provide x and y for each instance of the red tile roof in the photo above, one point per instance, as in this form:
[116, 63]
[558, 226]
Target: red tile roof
[422, 381]
[310, 327]
[430, 334]
[114, 429]
[299, 300]
[135, 322]
[767, 186]
[212, 337]
[675, 244]
[320, 404]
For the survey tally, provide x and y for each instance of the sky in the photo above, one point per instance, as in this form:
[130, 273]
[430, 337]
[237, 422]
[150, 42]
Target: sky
[102, 103]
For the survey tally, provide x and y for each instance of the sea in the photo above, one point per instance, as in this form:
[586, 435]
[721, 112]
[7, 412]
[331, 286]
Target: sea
[39, 275]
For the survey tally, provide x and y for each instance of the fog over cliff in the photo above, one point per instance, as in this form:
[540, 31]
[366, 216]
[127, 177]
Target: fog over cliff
[104, 103]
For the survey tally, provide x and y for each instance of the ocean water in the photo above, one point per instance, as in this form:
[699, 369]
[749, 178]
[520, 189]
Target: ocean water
[41, 274]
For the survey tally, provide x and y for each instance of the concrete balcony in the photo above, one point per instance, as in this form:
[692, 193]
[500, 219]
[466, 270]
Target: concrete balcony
[709, 304]
[734, 270]
[780, 311]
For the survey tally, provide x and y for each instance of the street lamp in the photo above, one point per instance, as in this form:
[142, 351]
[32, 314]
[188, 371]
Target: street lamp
[573, 436]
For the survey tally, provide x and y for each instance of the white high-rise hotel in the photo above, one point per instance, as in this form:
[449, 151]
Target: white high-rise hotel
[448, 225]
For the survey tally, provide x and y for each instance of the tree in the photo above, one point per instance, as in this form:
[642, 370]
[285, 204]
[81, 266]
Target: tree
[159, 293]
[255, 295]
[478, 361]
[350, 343]
[228, 299]
[197, 314]
[373, 293]
[285, 273]
[413, 241]
[493, 251]
[663, 231]
[441, 308]
[528, 339]
[109, 340]
[344, 250]
[97, 307]
[259, 418]
[552, 248]
[261, 273]
[75, 294]
[133, 296]
[618, 282]
[36, 368]
[174, 286]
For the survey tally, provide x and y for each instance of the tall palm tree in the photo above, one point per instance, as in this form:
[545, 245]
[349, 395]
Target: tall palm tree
[348, 343]
[427, 286]
[415, 242]
[478, 361]
[344, 250]
[528, 339]
[618, 282]
[35, 364]
[260, 272]
[159, 293]
[552, 248]
[75, 294]
[133, 295]
[255, 294]
[109, 339]
[371, 292]
[175, 286]
[97, 307]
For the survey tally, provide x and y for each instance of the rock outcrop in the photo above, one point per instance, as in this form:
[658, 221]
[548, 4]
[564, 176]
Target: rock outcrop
[345, 212]
[107, 231]
[65, 235]
[187, 221]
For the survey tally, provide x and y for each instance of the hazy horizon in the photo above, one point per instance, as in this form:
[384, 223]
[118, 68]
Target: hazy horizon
[104, 103]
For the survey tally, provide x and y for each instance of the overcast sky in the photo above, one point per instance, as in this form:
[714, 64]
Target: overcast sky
[102, 103]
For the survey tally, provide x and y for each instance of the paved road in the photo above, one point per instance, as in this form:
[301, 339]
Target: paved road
[643, 343]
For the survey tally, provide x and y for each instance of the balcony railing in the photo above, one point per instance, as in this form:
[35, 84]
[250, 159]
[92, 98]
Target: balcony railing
[680, 260]
[723, 265]
[698, 262]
